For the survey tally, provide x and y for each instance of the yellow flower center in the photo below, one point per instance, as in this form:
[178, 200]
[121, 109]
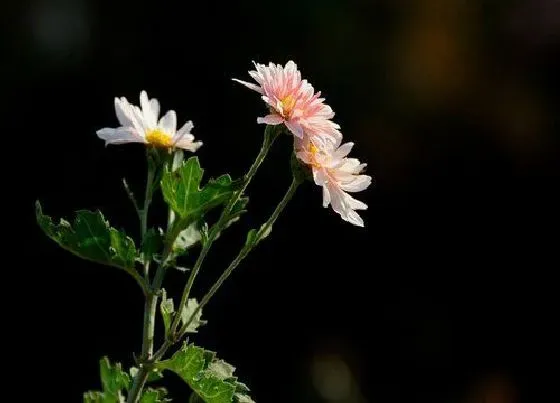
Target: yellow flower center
[159, 138]
[288, 103]
[314, 150]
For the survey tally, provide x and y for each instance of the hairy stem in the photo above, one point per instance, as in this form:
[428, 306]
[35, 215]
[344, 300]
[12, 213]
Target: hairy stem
[271, 133]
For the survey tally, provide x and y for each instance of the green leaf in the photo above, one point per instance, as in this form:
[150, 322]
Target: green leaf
[90, 237]
[221, 369]
[211, 379]
[98, 397]
[153, 243]
[237, 210]
[251, 237]
[181, 190]
[113, 380]
[167, 309]
[154, 396]
[188, 311]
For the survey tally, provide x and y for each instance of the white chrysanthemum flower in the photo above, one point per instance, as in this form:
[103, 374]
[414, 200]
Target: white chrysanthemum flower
[337, 175]
[141, 125]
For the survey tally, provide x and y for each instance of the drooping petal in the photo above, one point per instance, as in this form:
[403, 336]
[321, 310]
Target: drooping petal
[120, 135]
[271, 119]
[187, 143]
[354, 218]
[358, 184]
[168, 123]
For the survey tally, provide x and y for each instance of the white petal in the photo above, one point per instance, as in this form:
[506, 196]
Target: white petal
[187, 143]
[150, 109]
[355, 204]
[271, 119]
[326, 196]
[360, 182]
[320, 177]
[351, 165]
[121, 135]
[354, 218]
[168, 123]
[249, 85]
[124, 112]
[184, 130]
[344, 150]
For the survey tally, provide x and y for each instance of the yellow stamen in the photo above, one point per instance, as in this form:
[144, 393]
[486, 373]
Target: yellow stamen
[288, 103]
[159, 138]
[313, 161]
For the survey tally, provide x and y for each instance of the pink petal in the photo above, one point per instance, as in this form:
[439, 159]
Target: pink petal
[271, 119]
[295, 128]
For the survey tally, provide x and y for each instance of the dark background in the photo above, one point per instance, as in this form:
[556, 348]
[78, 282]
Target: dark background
[448, 293]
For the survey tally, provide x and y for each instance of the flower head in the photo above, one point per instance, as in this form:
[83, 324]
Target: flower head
[293, 102]
[141, 125]
[338, 175]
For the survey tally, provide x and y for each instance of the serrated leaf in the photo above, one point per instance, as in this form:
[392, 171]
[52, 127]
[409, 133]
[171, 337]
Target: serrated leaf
[151, 395]
[188, 311]
[221, 369]
[211, 379]
[167, 309]
[181, 190]
[113, 380]
[153, 243]
[90, 237]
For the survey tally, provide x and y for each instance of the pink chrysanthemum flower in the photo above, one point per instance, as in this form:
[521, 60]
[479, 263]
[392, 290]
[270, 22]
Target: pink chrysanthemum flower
[293, 102]
[336, 174]
[142, 126]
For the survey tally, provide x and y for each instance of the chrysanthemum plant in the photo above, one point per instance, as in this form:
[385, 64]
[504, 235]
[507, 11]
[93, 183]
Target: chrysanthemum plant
[319, 155]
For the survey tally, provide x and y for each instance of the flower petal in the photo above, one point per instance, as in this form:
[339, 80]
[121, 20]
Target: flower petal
[358, 184]
[187, 143]
[168, 123]
[249, 85]
[150, 109]
[124, 112]
[295, 128]
[121, 135]
[271, 119]
[185, 129]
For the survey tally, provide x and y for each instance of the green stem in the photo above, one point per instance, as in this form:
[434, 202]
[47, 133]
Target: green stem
[139, 382]
[262, 233]
[270, 134]
[177, 160]
[150, 304]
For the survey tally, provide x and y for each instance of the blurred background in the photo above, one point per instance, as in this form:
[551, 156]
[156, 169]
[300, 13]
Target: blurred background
[446, 296]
